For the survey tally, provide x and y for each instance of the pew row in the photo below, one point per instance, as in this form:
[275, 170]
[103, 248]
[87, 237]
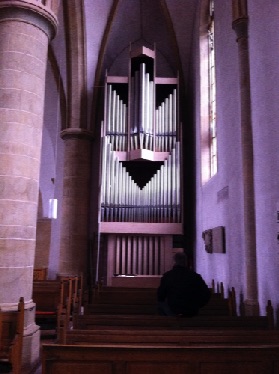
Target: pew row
[49, 296]
[40, 274]
[125, 300]
[216, 306]
[154, 359]
[131, 295]
[11, 338]
[64, 293]
[77, 288]
[178, 337]
[158, 322]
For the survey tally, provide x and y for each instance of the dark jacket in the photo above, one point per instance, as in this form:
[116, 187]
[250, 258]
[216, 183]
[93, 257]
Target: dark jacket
[184, 291]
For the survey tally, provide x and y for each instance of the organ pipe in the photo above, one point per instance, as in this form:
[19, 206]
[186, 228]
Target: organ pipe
[151, 127]
[142, 130]
[124, 201]
[140, 124]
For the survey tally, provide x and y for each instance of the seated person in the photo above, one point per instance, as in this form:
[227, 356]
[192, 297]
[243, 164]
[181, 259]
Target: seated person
[182, 292]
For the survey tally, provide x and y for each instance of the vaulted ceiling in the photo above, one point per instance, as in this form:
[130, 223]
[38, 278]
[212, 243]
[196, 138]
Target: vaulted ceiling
[112, 27]
[99, 35]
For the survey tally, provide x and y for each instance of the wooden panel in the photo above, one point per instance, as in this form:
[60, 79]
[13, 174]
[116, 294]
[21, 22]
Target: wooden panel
[244, 359]
[136, 281]
[158, 368]
[141, 228]
[234, 367]
[79, 368]
[178, 337]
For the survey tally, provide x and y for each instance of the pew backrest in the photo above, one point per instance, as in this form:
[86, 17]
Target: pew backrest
[148, 321]
[11, 336]
[124, 359]
[40, 273]
[163, 336]
[47, 295]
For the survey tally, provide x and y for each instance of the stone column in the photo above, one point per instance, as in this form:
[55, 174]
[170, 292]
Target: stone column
[76, 202]
[240, 25]
[25, 31]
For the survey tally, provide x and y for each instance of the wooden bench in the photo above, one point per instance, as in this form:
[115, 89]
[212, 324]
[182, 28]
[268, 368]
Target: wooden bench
[214, 307]
[144, 301]
[53, 303]
[178, 337]
[154, 359]
[76, 282]
[40, 274]
[159, 322]
[149, 309]
[47, 295]
[11, 337]
[118, 296]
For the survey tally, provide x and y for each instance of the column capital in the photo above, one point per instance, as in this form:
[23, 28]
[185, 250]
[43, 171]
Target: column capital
[240, 18]
[76, 133]
[31, 11]
[239, 9]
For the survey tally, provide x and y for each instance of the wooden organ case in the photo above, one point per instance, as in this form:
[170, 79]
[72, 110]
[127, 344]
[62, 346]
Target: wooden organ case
[140, 196]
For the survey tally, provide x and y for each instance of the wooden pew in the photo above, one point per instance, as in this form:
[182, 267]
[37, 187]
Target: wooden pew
[11, 337]
[70, 304]
[126, 295]
[178, 337]
[159, 322]
[47, 295]
[154, 359]
[53, 303]
[148, 309]
[76, 282]
[144, 301]
[40, 274]
[214, 307]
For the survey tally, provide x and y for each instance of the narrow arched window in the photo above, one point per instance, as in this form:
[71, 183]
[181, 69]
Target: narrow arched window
[212, 92]
[208, 91]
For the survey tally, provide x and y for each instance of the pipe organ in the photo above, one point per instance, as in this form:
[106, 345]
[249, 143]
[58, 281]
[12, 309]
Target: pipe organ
[140, 194]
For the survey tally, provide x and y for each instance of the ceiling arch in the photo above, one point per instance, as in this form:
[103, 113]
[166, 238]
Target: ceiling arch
[155, 24]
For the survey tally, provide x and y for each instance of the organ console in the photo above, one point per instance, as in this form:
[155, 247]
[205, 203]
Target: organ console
[140, 198]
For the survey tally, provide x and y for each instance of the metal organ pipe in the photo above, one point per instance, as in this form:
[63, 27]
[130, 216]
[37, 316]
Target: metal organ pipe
[142, 108]
[153, 129]
[122, 200]
[165, 124]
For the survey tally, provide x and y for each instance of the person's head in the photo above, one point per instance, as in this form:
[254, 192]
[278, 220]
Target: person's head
[180, 259]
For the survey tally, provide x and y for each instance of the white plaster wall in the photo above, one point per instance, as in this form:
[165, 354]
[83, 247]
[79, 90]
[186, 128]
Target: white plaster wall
[228, 211]
[219, 201]
[52, 156]
[52, 167]
[264, 57]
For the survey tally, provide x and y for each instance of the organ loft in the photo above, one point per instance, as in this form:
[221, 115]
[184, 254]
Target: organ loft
[140, 181]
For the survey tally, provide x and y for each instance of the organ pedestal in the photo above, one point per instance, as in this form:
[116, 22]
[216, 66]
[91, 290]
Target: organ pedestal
[140, 199]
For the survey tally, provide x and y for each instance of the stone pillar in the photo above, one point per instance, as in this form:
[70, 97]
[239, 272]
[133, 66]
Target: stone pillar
[240, 25]
[25, 31]
[76, 202]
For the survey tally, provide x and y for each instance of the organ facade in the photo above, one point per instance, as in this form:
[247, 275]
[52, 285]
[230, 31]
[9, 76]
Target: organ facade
[140, 194]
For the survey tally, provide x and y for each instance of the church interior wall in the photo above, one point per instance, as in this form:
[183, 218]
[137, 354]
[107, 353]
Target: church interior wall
[51, 181]
[219, 201]
[264, 57]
